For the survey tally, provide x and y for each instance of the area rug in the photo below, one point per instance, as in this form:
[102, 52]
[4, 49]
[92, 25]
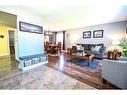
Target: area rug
[84, 63]
[41, 77]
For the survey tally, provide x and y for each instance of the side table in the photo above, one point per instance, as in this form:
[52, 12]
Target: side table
[113, 55]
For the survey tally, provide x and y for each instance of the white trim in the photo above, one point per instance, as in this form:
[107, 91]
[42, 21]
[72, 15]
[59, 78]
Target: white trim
[8, 40]
[9, 28]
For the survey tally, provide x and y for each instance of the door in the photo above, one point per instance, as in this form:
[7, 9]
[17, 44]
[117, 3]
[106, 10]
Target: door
[11, 41]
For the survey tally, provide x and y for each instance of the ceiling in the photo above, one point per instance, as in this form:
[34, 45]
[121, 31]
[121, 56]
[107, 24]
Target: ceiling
[8, 19]
[68, 17]
[58, 18]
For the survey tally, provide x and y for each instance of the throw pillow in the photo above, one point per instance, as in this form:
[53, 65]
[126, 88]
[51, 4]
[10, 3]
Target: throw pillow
[97, 48]
[82, 48]
[92, 49]
[78, 47]
[96, 52]
[102, 50]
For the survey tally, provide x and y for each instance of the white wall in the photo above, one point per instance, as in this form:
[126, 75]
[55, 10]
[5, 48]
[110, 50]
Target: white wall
[30, 43]
[111, 32]
[59, 38]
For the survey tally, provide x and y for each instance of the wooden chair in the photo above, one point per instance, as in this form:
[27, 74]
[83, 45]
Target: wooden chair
[47, 47]
[59, 47]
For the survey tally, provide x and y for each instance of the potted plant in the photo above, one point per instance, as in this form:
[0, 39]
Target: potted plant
[124, 46]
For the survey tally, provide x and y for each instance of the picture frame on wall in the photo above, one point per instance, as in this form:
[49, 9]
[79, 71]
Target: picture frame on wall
[27, 27]
[97, 33]
[87, 34]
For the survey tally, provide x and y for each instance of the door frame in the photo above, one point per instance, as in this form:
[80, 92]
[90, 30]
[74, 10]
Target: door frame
[11, 29]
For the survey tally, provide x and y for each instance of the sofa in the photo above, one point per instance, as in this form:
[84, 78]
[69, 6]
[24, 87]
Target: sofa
[115, 72]
[90, 48]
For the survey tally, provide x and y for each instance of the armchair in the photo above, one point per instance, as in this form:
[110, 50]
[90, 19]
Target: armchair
[115, 72]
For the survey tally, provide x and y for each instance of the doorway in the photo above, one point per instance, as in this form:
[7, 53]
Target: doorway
[11, 41]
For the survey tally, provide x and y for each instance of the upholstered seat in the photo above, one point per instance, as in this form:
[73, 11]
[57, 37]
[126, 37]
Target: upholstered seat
[122, 58]
[115, 72]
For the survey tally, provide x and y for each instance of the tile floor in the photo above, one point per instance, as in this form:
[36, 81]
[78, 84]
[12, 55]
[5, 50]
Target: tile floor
[42, 77]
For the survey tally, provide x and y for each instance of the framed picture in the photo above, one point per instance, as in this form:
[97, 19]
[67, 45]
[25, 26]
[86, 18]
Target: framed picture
[87, 34]
[27, 27]
[97, 33]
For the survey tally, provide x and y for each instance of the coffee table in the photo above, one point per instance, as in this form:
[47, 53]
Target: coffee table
[88, 57]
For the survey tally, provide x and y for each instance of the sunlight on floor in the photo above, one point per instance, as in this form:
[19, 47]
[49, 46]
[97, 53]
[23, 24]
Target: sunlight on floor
[61, 64]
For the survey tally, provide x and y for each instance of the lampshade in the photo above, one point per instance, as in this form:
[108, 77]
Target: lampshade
[72, 42]
[115, 42]
[48, 33]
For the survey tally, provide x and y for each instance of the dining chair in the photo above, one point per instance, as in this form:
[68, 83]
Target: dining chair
[59, 47]
[47, 47]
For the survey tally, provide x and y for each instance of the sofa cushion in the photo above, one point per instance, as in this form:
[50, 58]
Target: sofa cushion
[102, 50]
[86, 47]
[74, 49]
[92, 49]
[100, 53]
[91, 46]
[87, 51]
[96, 52]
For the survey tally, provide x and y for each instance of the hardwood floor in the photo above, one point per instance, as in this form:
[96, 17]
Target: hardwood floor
[86, 75]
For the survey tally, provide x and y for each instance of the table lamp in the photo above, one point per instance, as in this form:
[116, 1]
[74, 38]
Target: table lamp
[72, 42]
[115, 42]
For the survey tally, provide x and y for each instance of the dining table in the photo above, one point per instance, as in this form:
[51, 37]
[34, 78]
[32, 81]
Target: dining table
[53, 48]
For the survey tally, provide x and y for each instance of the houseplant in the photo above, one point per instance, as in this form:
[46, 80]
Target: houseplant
[124, 46]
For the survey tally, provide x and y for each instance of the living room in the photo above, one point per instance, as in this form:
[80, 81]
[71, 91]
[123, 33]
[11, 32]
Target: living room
[70, 74]
[107, 47]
